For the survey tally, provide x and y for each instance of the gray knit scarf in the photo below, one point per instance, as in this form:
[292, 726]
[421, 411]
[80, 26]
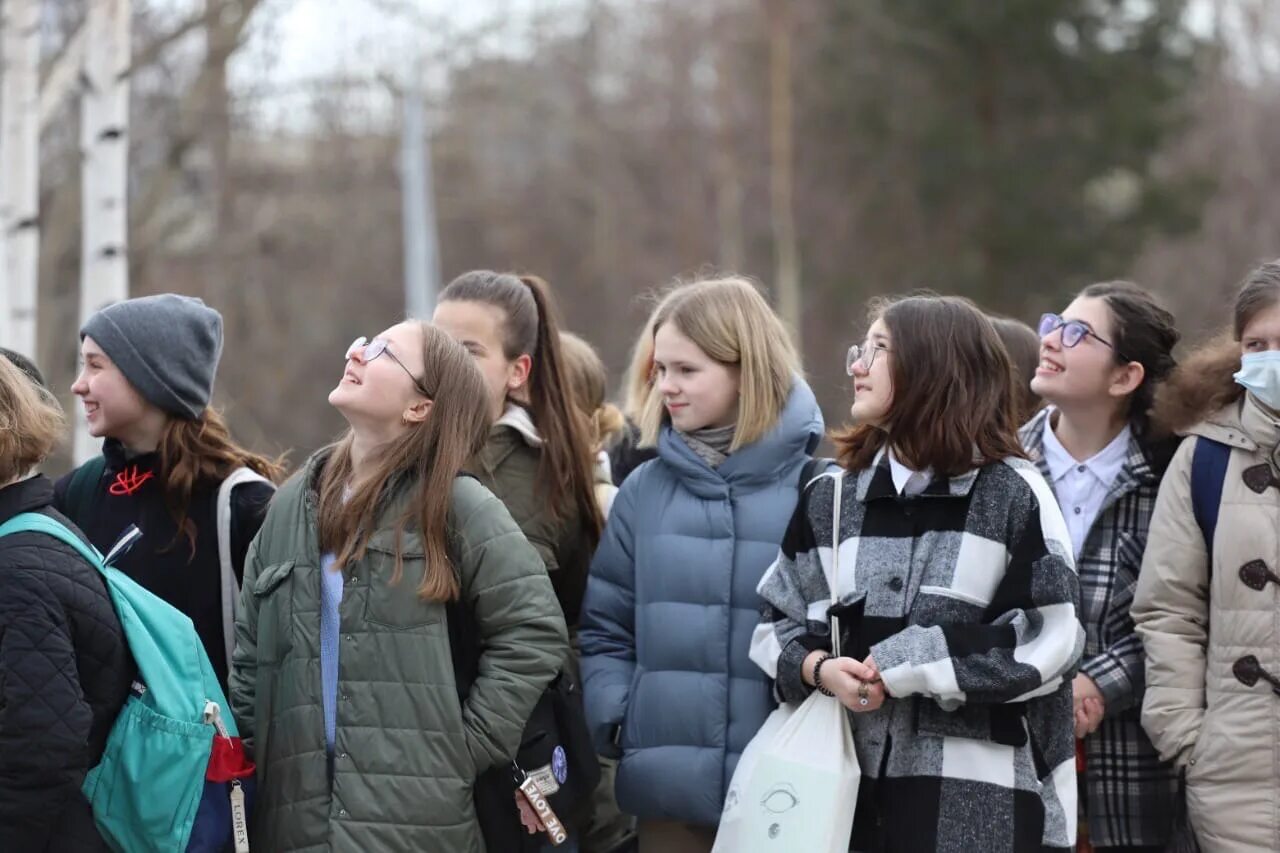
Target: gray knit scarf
[710, 444]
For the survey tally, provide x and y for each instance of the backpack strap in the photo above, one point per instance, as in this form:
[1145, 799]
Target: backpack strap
[811, 470]
[34, 522]
[82, 491]
[228, 584]
[1208, 473]
[463, 631]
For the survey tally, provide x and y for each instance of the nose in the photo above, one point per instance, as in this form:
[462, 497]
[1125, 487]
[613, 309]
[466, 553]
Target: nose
[860, 369]
[666, 387]
[1053, 340]
[81, 386]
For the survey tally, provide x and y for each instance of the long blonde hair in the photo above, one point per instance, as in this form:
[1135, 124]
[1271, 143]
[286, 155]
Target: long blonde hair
[636, 381]
[32, 423]
[425, 458]
[731, 322]
[588, 382]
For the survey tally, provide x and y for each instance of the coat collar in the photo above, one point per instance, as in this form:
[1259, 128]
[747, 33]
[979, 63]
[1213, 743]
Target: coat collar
[763, 462]
[1137, 469]
[876, 482]
[29, 495]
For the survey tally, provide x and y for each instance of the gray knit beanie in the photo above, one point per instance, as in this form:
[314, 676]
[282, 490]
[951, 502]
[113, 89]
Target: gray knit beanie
[167, 346]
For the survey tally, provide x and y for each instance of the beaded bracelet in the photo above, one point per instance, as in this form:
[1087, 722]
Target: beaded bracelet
[817, 677]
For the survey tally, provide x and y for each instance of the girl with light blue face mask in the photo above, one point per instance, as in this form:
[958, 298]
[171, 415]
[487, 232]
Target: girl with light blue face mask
[1259, 374]
[1212, 559]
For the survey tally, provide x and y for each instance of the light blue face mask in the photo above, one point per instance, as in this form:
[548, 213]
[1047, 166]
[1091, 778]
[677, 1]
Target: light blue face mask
[1260, 374]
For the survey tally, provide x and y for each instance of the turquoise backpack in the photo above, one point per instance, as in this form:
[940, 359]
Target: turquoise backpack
[146, 790]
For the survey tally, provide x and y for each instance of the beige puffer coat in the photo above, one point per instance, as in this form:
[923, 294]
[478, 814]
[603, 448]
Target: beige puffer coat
[1196, 626]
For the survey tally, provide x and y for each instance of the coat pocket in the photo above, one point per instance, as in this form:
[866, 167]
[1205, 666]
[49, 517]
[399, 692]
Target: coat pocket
[274, 593]
[395, 606]
[1002, 724]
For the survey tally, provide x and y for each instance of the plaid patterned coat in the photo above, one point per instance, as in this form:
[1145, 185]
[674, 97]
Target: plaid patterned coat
[1129, 792]
[966, 597]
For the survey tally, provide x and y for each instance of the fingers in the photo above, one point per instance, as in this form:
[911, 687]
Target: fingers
[1081, 723]
[856, 668]
[528, 817]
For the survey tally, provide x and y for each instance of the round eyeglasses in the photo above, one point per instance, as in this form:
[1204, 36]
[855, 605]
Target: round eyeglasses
[369, 350]
[1073, 332]
[864, 354]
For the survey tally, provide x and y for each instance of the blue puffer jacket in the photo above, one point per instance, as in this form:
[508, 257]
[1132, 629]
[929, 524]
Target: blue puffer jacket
[671, 604]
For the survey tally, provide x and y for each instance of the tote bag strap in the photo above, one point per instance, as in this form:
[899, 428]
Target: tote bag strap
[836, 502]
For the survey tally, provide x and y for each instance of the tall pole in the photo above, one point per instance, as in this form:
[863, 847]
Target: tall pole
[421, 244]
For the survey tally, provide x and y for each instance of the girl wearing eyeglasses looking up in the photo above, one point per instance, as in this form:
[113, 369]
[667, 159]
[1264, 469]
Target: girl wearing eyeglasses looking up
[344, 682]
[1205, 606]
[956, 596]
[1101, 362]
[169, 464]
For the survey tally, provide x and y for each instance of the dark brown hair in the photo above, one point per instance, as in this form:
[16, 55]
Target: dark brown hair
[531, 327]
[1144, 331]
[201, 451]
[425, 458]
[952, 407]
[1023, 346]
[1204, 382]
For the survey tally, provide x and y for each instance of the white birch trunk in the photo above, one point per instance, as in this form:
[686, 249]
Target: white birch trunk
[104, 146]
[20, 173]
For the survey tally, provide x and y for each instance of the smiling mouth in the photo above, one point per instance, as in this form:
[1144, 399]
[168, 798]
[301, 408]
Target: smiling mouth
[1048, 366]
[352, 378]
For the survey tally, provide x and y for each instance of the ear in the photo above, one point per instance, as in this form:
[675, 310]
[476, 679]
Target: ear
[1126, 379]
[417, 413]
[518, 373]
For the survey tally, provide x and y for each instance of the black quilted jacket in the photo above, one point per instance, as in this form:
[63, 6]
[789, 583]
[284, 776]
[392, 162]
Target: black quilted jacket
[65, 672]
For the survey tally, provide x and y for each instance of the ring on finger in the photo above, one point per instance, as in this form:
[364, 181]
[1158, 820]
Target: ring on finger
[864, 694]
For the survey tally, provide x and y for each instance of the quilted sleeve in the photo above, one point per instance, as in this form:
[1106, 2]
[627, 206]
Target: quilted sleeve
[607, 636]
[44, 718]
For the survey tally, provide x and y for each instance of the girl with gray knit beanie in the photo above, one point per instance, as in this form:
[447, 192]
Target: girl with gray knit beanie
[168, 462]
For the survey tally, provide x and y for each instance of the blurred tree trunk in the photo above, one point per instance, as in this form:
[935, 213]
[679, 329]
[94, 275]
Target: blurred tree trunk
[781, 163]
[20, 222]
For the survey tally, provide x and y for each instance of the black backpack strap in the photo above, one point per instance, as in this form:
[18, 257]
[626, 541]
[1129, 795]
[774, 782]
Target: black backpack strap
[464, 635]
[811, 470]
[82, 491]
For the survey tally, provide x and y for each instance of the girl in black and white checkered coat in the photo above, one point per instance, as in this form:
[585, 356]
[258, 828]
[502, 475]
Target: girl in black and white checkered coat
[957, 591]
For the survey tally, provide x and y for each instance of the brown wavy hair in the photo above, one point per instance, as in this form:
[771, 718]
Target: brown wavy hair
[531, 326]
[425, 459]
[589, 381]
[1023, 345]
[202, 451]
[953, 403]
[1204, 382]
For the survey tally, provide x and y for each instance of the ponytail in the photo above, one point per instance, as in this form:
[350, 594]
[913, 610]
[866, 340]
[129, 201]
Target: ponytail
[567, 460]
[531, 328]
